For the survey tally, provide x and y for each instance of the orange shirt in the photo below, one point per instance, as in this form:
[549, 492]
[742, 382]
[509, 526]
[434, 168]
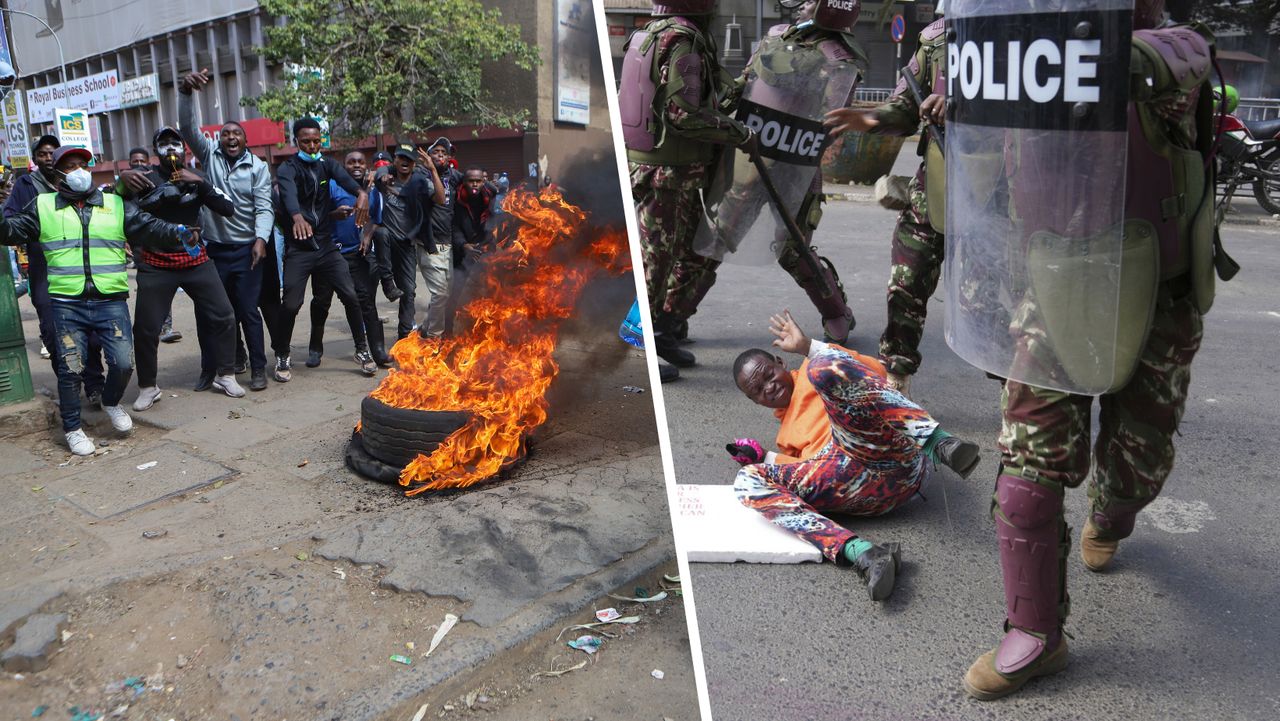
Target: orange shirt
[805, 426]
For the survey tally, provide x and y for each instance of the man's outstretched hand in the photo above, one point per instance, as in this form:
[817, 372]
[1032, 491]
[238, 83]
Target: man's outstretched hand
[789, 336]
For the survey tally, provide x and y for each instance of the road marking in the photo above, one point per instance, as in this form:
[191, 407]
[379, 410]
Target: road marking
[1173, 516]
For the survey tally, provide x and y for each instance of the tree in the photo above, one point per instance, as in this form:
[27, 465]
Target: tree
[390, 65]
[1255, 18]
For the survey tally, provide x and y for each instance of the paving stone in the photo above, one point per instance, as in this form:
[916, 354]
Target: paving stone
[21, 600]
[18, 460]
[176, 471]
[33, 642]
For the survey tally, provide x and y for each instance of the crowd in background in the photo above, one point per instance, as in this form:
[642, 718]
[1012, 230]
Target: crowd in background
[241, 240]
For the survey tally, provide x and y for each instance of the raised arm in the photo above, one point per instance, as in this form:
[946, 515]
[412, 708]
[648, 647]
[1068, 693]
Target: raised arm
[190, 126]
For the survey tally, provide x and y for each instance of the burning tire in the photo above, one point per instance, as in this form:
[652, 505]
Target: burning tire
[396, 436]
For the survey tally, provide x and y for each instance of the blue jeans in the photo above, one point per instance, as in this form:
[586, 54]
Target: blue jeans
[74, 322]
[38, 275]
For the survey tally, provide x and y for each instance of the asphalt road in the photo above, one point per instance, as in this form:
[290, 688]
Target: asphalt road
[1183, 627]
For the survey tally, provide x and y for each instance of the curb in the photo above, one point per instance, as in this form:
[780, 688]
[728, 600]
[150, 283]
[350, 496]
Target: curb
[544, 613]
[868, 197]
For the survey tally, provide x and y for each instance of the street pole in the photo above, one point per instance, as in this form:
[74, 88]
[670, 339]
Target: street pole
[62, 59]
[15, 370]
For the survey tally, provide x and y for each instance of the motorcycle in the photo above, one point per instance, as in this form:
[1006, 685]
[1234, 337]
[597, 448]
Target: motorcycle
[1249, 152]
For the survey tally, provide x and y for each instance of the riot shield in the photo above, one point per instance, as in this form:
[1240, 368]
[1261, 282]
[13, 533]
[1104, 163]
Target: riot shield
[1044, 282]
[788, 90]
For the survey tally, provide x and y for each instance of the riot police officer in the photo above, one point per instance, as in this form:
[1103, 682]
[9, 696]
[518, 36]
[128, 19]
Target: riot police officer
[918, 240]
[1104, 209]
[669, 99]
[821, 35]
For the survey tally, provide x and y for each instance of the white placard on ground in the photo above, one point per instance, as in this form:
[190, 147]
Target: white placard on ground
[716, 528]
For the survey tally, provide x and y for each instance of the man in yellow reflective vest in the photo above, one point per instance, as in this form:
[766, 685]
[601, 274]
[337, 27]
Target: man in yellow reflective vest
[82, 233]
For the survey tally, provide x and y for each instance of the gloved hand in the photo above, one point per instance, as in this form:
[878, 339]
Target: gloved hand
[745, 450]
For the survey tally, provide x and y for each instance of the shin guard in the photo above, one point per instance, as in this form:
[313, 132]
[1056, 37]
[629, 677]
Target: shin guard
[1033, 538]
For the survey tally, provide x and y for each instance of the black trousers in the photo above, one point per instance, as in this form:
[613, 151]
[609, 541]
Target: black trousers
[382, 256]
[404, 263]
[241, 283]
[327, 267]
[366, 284]
[215, 317]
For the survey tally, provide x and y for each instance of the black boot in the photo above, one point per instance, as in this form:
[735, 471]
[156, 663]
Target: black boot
[957, 454]
[380, 356]
[667, 346]
[258, 381]
[390, 290]
[818, 279]
[668, 373]
[205, 382]
[878, 566]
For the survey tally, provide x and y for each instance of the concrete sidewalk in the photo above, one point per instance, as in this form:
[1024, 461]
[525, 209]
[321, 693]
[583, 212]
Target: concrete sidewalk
[280, 582]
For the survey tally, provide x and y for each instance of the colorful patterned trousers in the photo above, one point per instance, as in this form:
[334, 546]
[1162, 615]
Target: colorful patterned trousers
[873, 463]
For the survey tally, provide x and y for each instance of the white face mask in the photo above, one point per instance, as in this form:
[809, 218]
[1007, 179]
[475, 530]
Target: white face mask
[79, 180]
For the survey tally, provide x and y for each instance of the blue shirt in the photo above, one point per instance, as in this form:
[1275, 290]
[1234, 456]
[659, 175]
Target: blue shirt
[345, 233]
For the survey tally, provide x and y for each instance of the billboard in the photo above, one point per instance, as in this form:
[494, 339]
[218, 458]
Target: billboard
[15, 126]
[72, 128]
[576, 50]
[96, 93]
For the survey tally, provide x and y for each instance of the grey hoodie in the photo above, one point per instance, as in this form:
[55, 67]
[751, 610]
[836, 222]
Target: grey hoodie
[246, 180]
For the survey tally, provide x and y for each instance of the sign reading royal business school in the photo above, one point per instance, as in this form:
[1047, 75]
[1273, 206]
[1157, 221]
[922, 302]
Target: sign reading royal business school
[95, 93]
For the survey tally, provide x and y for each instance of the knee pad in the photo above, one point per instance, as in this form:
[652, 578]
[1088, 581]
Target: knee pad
[1025, 504]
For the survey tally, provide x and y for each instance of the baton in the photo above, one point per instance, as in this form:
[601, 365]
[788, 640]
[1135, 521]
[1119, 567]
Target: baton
[792, 228]
[935, 131]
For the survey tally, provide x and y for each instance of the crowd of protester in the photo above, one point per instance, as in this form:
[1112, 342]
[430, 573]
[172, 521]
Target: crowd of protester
[241, 240]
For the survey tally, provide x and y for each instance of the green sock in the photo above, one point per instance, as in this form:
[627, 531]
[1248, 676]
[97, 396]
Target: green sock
[933, 440]
[855, 547]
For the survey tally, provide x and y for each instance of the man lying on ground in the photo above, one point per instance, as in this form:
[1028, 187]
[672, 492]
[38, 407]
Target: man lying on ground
[848, 443]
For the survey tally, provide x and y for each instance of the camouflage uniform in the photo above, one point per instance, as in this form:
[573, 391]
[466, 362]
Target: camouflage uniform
[917, 245]
[1045, 435]
[666, 182]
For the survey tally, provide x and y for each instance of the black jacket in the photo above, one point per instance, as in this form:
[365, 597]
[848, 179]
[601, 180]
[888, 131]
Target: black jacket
[180, 203]
[304, 190]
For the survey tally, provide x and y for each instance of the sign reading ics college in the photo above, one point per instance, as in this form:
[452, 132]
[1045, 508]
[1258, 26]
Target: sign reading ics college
[95, 93]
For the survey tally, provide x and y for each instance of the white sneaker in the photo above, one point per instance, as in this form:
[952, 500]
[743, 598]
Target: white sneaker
[120, 419]
[44, 352]
[147, 397]
[227, 384]
[79, 443]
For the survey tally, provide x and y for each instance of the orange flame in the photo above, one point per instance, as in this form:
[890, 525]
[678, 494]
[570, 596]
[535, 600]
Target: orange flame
[500, 369]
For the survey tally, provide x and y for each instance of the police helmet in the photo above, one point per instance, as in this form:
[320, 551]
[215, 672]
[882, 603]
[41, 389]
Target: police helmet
[1147, 14]
[683, 7]
[836, 15]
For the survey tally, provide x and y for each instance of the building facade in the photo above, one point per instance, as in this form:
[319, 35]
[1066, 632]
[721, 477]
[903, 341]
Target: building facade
[123, 61]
